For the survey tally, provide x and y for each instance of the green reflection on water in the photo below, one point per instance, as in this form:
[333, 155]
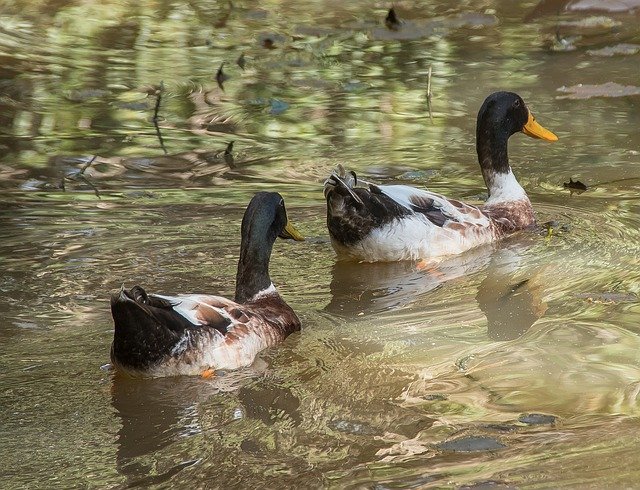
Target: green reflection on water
[390, 362]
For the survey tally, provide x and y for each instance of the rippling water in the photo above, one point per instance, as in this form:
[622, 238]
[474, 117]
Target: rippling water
[510, 366]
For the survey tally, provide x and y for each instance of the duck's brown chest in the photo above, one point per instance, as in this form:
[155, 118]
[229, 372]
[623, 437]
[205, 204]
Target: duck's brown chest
[509, 217]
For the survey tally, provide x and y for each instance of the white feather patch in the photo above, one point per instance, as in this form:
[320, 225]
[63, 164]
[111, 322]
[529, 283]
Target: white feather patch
[403, 194]
[188, 305]
[181, 346]
[268, 291]
[504, 188]
[415, 237]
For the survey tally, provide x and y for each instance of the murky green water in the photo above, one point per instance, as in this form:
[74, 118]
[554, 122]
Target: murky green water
[398, 379]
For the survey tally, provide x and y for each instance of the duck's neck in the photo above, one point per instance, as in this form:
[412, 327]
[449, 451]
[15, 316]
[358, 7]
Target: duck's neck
[496, 171]
[252, 279]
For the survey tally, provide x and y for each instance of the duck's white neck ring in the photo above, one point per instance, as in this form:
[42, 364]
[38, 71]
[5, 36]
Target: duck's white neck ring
[268, 291]
[503, 187]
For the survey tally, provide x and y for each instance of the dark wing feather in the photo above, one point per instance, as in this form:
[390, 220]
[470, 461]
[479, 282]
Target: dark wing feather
[200, 310]
[430, 209]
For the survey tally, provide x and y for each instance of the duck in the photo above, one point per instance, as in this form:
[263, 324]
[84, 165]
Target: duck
[383, 223]
[197, 334]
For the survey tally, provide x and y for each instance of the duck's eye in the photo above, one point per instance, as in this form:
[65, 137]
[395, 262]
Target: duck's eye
[282, 203]
[516, 104]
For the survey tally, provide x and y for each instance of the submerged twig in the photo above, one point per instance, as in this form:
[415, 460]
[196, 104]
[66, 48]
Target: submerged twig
[228, 155]
[90, 184]
[87, 165]
[155, 116]
[158, 94]
[85, 179]
[429, 95]
[221, 77]
[79, 175]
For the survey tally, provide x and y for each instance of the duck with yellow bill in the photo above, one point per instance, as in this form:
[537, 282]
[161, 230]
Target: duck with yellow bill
[377, 223]
[160, 335]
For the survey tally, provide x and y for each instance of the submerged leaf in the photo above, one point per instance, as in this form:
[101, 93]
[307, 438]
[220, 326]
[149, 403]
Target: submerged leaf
[471, 444]
[391, 20]
[575, 185]
[618, 49]
[603, 5]
[268, 43]
[609, 89]
[537, 419]
[608, 297]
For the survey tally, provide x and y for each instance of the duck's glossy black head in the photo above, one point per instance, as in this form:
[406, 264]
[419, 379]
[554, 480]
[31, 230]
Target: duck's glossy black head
[501, 115]
[264, 220]
[505, 113]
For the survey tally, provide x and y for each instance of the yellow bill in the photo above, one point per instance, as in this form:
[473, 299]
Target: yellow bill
[291, 232]
[533, 129]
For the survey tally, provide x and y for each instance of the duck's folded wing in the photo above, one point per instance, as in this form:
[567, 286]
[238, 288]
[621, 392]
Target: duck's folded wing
[244, 333]
[202, 310]
[436, 208]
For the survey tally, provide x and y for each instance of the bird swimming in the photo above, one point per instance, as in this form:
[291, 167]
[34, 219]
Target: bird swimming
[196, 334]
[371, 223]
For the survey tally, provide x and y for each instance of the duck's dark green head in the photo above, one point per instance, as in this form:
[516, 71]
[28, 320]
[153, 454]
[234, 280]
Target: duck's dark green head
[264, 220]
[506, 113]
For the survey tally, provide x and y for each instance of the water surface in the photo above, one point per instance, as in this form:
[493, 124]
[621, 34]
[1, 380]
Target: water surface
[511, 366]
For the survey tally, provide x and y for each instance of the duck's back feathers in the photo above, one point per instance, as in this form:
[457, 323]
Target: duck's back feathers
[436, 208]
[199, 309]
[398, 222]
[158, 335]
[354, 212]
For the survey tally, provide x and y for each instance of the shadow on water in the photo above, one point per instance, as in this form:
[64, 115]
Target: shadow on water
[366, 288]
[158, 413]
[511, 301]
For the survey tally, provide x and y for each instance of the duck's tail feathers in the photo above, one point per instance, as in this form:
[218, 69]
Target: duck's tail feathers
[146, 328]
[139, 296]
[342, 183]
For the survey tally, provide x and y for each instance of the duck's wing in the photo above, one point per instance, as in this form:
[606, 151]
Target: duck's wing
[355, 208]
[439, 210]
[161, 335]
[149, 329]
[200, 310]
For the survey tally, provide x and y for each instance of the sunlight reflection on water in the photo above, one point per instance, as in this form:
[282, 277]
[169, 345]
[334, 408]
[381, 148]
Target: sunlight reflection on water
[400, 377]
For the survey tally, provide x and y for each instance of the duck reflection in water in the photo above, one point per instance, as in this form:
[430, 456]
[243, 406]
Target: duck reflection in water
[158, 413]
[154, 413]
[511, 300]
[510, 295]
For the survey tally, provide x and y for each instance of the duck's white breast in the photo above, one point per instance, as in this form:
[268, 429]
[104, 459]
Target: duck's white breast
[415, 237]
